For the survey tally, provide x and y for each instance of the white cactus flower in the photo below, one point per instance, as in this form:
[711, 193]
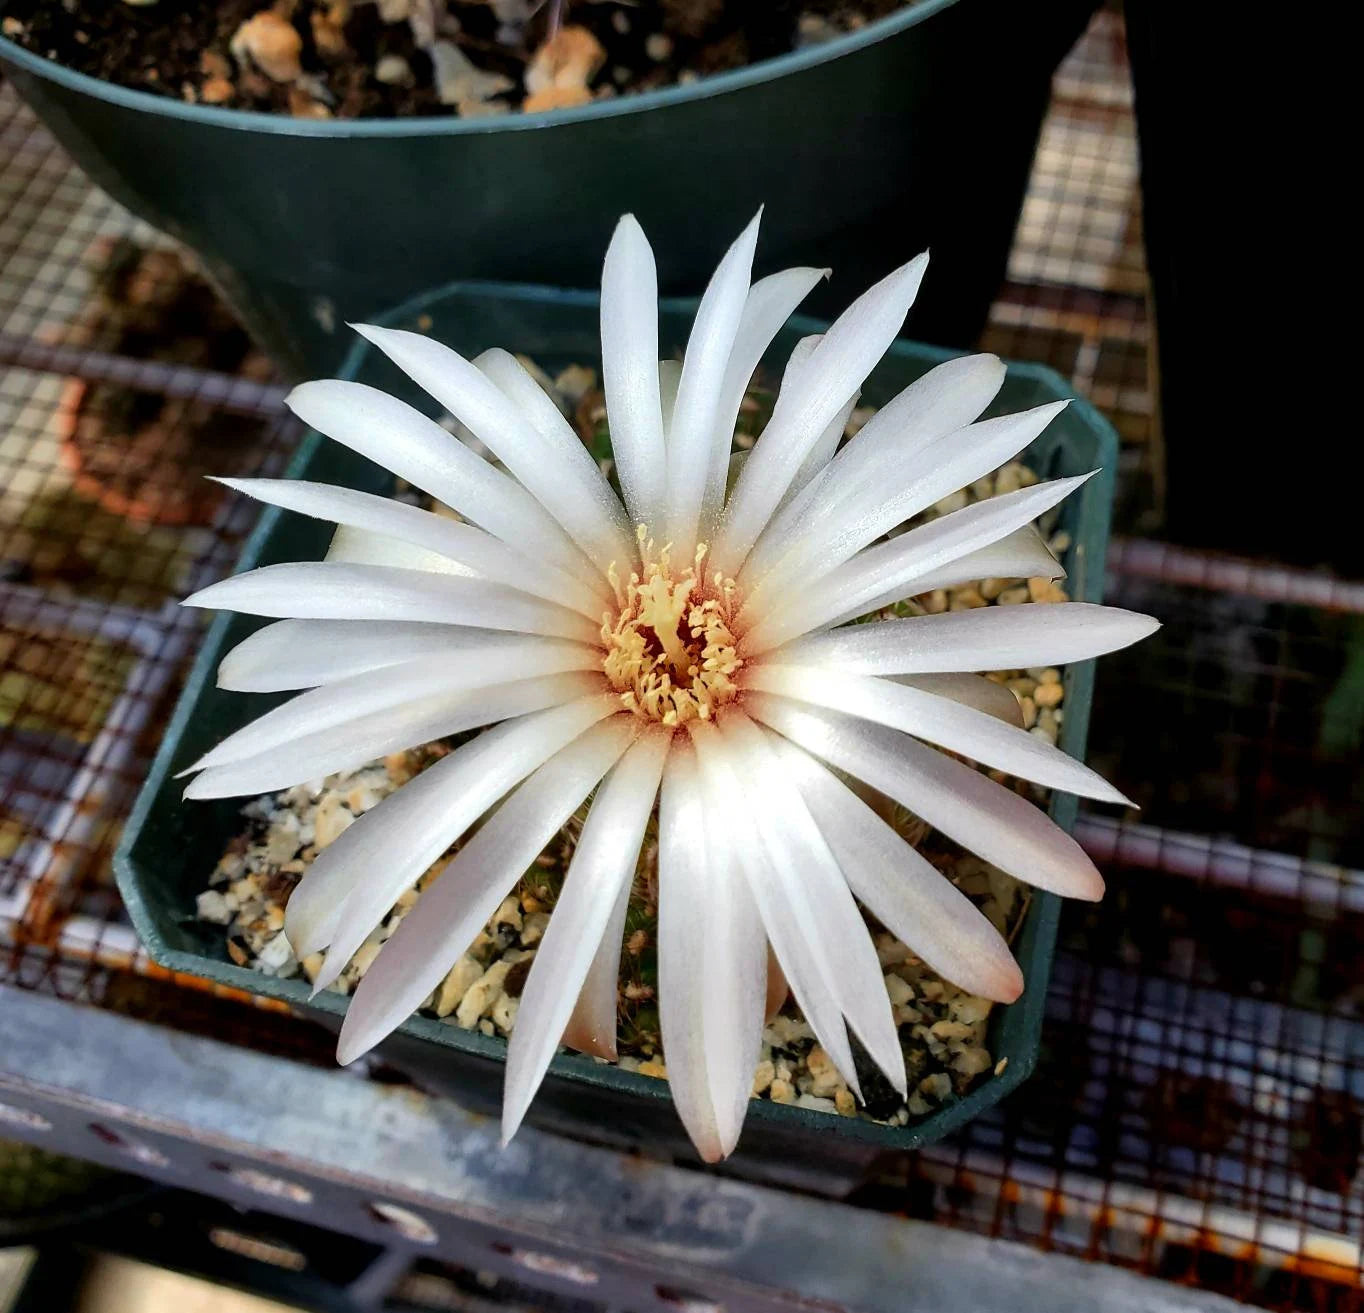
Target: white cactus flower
[679, 646]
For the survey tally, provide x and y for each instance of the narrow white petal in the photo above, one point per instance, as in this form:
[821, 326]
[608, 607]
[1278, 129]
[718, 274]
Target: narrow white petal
[732, 978]
[837, 368]
[332, 590]
[400, 438]
[683, 892]
[798, 359]
[1022, 554]
[913, 900]
[455, 907]
[365, 738]
[592, 1027]
[629, 367]
[692, 434]
[809, 887]
[771, 302]
[976, 691]
[294, 654]
[951, 725]
[788, 925]
[351, 546]
[945, 399]
[603, 867]
[501, 659]
[987, 638]
[900, 563]
[474, 549]
[948, 397]
[517, 384]
[554, 467]
[669, 379]
[891, 492]
[385, 851]
[968, 807]
[823, 450]
[778, 991]
[561, 439]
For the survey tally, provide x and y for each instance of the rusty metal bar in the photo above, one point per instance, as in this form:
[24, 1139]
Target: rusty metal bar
[1201, 857]
[1143, 558]
[226, 391]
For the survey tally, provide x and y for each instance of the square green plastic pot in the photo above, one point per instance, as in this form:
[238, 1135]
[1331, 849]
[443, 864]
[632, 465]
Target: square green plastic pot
[170, 847]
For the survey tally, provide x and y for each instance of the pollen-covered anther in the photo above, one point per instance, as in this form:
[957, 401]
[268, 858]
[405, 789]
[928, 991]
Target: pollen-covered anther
[670, 651]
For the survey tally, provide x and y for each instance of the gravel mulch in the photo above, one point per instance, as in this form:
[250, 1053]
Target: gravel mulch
[397, 58]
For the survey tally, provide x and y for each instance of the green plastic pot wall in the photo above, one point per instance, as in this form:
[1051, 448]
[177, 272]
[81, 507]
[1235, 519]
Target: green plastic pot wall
[170, 847]
[917, 131]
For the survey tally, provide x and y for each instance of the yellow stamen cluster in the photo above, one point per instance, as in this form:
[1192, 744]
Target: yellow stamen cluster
[670, 652]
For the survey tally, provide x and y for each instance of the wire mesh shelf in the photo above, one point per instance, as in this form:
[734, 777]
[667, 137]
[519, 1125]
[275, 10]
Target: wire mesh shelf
[1197, 1113]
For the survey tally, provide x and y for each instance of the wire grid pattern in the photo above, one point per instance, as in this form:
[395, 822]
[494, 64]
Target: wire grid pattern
[1196, 1112]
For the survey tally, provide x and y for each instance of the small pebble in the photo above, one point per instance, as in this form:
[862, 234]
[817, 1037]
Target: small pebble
[567, 62]
[971, 1062]
[504, 1013]
[574, 383]
[216, 91]
[365, 955]
[460, 82]
[331, 822]
[456, 984]
[271, 44]
[509, 913]
[1049, 695]
[482, 994]
[328, 37]
[213, 906]
[276, 958]
[394, 71]
[900, 991]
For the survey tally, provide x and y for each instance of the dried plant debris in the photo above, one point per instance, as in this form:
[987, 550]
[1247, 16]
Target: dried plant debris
[396, 58]
[943, 1029]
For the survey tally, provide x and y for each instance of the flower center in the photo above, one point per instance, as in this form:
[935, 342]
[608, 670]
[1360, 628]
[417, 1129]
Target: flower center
[670, 652]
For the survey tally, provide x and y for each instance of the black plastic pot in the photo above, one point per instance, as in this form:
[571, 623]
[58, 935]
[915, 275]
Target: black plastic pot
[169, 847]
[916, 131]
